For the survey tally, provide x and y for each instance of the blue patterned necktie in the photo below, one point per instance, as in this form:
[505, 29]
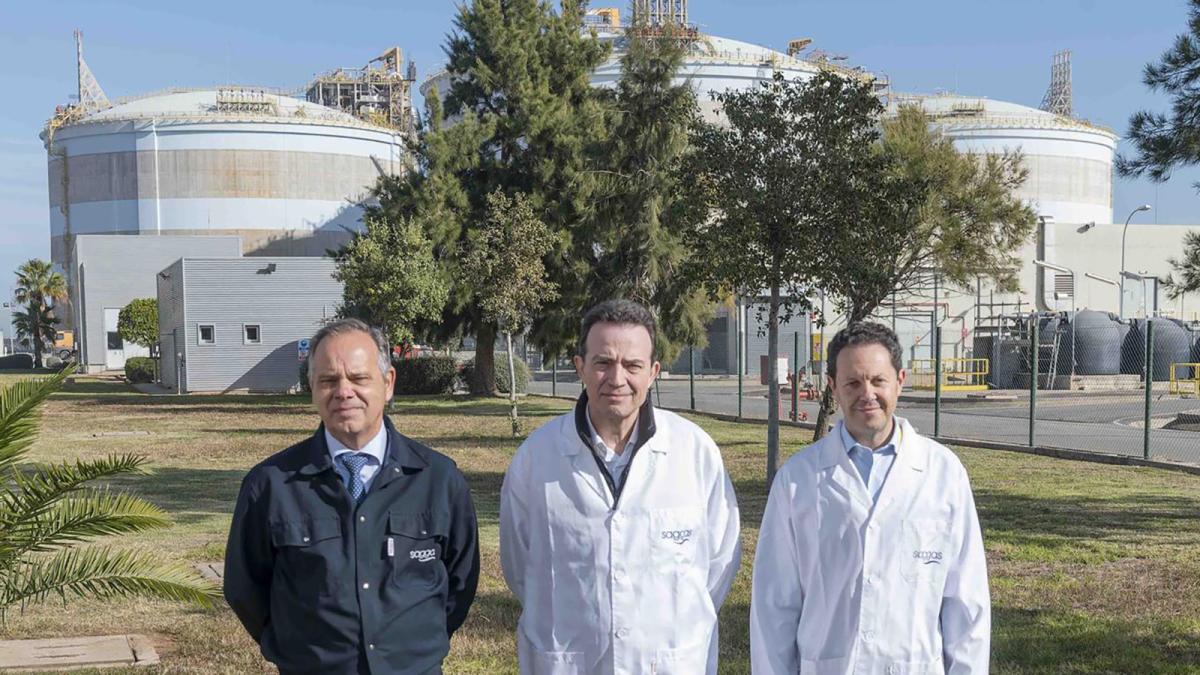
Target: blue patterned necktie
[353, 463]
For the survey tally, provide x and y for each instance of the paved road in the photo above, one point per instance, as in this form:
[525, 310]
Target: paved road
[1101, 422]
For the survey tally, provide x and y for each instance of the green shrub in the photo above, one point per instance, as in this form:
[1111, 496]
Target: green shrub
[426, 375]
[501, 361]
[139, 369]
[16, 362]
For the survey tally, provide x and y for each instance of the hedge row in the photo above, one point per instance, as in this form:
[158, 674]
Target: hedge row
[139, 370]
[426, 375]
[16, 362]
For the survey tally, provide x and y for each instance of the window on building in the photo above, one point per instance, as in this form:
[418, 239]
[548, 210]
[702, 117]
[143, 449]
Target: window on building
[207, 334]
[114, 340]
[251, 334]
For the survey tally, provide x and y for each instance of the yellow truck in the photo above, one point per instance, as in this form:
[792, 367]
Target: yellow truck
[64, 343]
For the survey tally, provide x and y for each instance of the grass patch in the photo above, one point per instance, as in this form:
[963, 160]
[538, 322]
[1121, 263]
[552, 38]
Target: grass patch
[1094, 568]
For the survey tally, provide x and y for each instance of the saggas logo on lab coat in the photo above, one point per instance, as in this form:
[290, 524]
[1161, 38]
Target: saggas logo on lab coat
[928, 557]
[678, 536]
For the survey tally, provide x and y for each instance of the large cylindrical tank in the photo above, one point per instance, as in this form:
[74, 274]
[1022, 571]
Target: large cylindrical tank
[1097, 343]
[284, 174]
[1172, 344]
[714, 63]
[1070, 161]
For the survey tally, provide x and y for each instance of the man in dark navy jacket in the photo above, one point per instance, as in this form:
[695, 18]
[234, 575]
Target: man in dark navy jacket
[355, 551]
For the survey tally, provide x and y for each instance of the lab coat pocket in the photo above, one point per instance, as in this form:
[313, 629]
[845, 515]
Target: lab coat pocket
[558, 663]
[309, 554]
[926, 552]
[683, 661]
[415, 551]
[674, 538]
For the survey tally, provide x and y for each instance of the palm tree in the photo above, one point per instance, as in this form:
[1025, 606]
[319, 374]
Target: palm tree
[38, 286]
[48, 511]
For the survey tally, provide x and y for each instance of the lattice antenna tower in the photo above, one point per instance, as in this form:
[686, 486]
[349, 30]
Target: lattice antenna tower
[659, 12]
[91, 96]
[1058, 95]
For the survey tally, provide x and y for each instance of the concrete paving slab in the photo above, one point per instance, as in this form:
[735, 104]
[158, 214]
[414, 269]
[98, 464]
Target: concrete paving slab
[213, 571]
[62, 654]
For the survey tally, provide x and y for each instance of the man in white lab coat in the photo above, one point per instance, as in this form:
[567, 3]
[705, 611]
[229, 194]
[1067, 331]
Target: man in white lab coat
[618, 523]
[870, 557]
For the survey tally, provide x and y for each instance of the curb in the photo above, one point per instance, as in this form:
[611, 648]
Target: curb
[1041, 450]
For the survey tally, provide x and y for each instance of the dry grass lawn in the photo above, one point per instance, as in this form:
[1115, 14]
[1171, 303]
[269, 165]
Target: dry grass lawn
[1095, 569]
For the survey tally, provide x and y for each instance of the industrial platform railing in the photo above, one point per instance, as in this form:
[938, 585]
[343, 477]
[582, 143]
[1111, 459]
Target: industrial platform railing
[957, 374]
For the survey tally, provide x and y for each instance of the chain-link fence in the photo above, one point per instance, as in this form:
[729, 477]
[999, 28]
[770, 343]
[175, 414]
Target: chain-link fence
[1079, 381]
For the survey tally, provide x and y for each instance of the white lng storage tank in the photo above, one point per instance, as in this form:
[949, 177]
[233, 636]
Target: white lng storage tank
[283, 174]
[1070, 161]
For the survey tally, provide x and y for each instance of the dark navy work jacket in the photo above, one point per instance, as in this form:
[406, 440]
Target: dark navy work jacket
[325, 587]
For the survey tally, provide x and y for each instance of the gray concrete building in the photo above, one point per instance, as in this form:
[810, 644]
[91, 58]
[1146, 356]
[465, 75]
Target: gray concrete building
[115, 269]
[235, 324]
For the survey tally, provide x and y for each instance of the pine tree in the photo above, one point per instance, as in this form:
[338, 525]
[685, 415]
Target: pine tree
[632, 245]
[1163, 143]
[525, 119]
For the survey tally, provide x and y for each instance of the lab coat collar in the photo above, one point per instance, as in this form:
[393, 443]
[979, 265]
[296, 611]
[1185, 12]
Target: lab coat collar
[911, 461]
[645, 428]
[909, 468]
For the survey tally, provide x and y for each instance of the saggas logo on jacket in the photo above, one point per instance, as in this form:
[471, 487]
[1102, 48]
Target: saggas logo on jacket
[423, 555]
[929, 557]
[678, 536]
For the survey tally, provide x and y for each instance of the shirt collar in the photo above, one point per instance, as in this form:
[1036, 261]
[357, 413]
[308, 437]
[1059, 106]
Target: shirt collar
[891, 446]
[598, 442]
[376, 447]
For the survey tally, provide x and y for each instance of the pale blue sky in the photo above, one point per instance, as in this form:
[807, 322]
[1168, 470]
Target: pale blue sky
[1001, 50]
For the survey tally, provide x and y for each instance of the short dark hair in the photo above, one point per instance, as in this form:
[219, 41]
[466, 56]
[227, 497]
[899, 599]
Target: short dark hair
[864, 333]
[625, 312]
[342, 326]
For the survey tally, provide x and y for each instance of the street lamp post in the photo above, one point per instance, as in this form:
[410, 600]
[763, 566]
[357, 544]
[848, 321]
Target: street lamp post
[1060, 268]
[1124, 231]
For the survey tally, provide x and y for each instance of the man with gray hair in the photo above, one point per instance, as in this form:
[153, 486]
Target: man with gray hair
[356, 550]
[618, 522]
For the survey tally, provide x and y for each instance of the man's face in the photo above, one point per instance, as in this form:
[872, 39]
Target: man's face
[867, 388]
[617, 370]
[348, 390]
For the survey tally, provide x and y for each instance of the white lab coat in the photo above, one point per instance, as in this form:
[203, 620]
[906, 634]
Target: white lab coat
[898, 589]
[633, 589]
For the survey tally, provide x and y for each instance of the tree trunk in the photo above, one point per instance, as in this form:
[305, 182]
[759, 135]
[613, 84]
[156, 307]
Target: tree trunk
[825, 412]
[35, 325]
[773, 388]
[827, 404]
[512, 383]
[485, 360]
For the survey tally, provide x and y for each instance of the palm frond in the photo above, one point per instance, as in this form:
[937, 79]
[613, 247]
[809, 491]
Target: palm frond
[102, 572]
[19, 404]
[32, 495]
[81, 517]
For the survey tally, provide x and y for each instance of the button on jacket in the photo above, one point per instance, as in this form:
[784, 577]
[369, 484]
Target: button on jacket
[619, 577]
[327, 587]
[841, 586]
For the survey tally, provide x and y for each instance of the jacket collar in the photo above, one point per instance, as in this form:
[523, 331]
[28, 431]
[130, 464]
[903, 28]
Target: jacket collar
[400, 452]
[646, 427]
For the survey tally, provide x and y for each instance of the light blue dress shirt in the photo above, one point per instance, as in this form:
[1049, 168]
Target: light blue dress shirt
[873, 466]
[374, 450]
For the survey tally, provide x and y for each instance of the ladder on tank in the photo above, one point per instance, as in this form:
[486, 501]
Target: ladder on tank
[1052, 371]
[1017, 330]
